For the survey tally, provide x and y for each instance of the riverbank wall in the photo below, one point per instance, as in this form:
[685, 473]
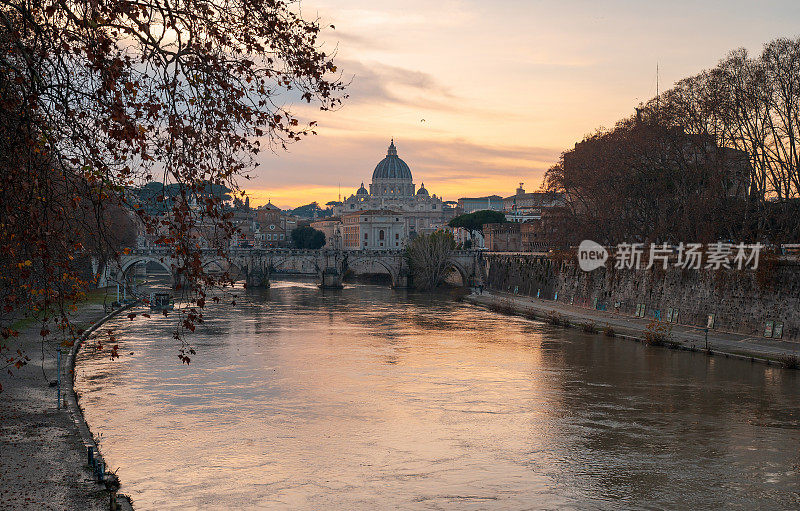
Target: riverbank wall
[729, 345]
[761, 303]
[109, 479]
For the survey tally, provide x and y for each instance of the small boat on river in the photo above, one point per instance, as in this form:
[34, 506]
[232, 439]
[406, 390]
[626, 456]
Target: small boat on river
[161, 302]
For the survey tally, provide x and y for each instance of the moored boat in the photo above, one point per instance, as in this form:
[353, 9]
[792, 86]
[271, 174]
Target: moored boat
[161, 301]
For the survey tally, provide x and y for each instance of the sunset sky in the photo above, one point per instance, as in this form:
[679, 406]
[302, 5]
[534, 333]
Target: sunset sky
[503, 86]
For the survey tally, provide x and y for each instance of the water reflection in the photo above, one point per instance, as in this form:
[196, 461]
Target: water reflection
[367, 398]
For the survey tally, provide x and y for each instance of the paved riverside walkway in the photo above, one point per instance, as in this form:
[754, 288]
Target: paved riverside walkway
[686, 335]
[42, 457]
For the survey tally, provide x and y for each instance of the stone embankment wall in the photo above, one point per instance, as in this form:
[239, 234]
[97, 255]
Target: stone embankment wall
[740, 301]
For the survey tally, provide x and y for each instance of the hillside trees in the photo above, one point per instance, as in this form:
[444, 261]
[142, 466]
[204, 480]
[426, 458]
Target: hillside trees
[97, 97]
[312, 210]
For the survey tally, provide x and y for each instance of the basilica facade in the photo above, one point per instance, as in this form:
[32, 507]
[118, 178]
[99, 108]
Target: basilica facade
[393, 189]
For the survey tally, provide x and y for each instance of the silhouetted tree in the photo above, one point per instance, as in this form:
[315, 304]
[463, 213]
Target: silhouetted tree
[99, 97]
[428, 257]
[716, 156]
[475, 221]
[751, 104]
[308, 237]
[642, 181]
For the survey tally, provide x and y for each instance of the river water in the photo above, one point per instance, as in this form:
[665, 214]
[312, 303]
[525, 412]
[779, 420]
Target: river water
[369, 398]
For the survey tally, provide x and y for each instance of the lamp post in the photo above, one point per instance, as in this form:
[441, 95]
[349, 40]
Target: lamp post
[58, 397]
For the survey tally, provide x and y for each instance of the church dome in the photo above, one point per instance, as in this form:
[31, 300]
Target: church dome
[422, 190]
[362, 190]
[392, 167]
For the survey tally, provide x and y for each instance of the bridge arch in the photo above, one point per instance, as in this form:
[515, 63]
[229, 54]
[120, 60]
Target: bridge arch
[127, 264]
[123, 266]
[280, 263]
[462, 271]
[354, 262]
[233, 269]
[471, 266]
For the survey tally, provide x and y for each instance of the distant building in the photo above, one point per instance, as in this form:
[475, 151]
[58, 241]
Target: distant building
[503, 237]
[538, 235]
[332, 227]
[246, 237]
[472, 204]
[374, 230]
[520, 216]
[531, 203]
[393, 189]
[273, 227]
[465, 237]
[157, 198]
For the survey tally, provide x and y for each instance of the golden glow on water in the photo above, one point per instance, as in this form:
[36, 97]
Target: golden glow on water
[369, 398]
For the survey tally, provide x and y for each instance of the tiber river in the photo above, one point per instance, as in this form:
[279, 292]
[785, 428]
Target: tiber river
[369, 398]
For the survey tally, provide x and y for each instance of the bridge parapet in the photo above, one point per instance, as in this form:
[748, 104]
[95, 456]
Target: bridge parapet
[254, 265]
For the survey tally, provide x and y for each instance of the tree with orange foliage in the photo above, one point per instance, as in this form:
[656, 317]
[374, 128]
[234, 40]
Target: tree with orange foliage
[97, 97]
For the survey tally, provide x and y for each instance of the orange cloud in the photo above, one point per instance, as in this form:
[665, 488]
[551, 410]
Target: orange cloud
[450, 168]
[480, 96]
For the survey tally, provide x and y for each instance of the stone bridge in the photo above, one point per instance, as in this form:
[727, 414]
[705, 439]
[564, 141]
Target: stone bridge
[255, 266]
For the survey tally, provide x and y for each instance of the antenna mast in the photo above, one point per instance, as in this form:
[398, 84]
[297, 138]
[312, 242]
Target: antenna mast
[658, 97]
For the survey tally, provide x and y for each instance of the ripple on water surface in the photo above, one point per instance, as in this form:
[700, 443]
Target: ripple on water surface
[368, 398]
